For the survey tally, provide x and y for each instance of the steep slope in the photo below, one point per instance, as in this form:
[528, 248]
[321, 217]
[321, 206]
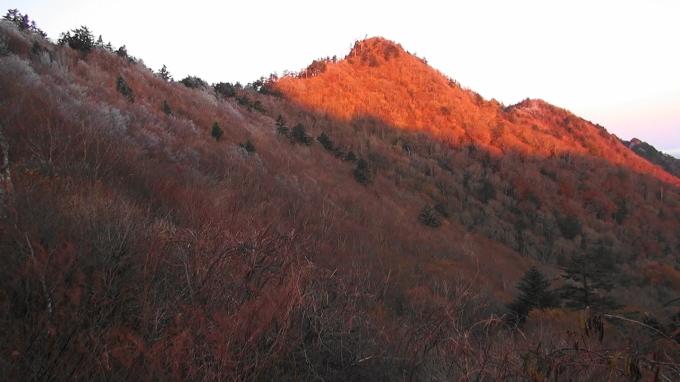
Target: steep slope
[532, 176]
[142, 243]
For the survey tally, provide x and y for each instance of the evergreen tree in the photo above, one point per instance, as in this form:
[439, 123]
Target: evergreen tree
[193, 82]
[299, 133]
[248, 146]
[592, 272]
[326, 142]
[281, 128]
[165, 74]
[166, 108]
[362, 173]
[428, 217]
[225, 89]
[122, 52]
[257, 105]
[124, 89]
[217, 131]
[534, 293]
[81, 39]
[570, 227]
[350, 157]
[23, 22]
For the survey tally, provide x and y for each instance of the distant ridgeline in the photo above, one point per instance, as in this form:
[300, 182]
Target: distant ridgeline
[649, 152]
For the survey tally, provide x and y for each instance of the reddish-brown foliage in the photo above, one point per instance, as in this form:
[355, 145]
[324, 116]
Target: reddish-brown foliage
[141, 248]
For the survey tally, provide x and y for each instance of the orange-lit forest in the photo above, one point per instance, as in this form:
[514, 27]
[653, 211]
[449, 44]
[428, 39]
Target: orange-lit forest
[363, 219]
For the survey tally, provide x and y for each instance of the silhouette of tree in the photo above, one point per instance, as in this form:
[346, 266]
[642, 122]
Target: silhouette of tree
[299, 133]
[193, 82]
[248, 146]
[593, 272]
[217, 131]
[81, 40]
[166, 108]
[570, 227]
[362, 173]
[534, 293]
[281, 128]
[165, 74]
[23, 22]
[225, 89]
[124, 89]
[326, 142]
[429, 217]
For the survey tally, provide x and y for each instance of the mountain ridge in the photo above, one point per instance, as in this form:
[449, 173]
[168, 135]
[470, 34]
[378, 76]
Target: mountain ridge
[650, 153]
[387, 70]
[372, 229]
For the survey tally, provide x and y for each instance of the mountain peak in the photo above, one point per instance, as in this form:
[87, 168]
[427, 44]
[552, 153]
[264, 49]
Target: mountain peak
[373, 51]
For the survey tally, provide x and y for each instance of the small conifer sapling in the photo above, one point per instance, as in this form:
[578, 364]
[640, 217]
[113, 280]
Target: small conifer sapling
[217, 131]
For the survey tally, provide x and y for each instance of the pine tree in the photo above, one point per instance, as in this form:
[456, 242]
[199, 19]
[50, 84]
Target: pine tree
[533, 294]
[81, 39]
[362, 173]
[428, 217]
[570, 227]
[281, 128]
[166, 108]
[217, 131]
[124, 89]
[326, 142]
[299, 133]
[165, 74]
[592, 272]
[257, 105]
[248, 146]
[225, 89]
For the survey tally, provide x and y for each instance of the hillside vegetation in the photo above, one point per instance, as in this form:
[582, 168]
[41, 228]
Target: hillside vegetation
[363, 219]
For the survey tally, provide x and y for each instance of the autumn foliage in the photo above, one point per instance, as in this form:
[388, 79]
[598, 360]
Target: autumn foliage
[139, 242]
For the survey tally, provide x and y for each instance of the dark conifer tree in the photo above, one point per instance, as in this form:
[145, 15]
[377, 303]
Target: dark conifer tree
[281, 128]
[165, 74]
[325, 142]
[362, 173]
[81, 39]
[248, 146]
[429, 217]
[569, 226]
[299, 133]
[225, 89]
[124, 89]
[534, 293]
[592, 273]
[217, 131]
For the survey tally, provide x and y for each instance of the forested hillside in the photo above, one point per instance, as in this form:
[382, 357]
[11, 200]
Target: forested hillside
[364, 219]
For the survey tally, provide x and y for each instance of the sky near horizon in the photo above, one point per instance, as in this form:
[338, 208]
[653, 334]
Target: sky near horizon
[615, 63]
